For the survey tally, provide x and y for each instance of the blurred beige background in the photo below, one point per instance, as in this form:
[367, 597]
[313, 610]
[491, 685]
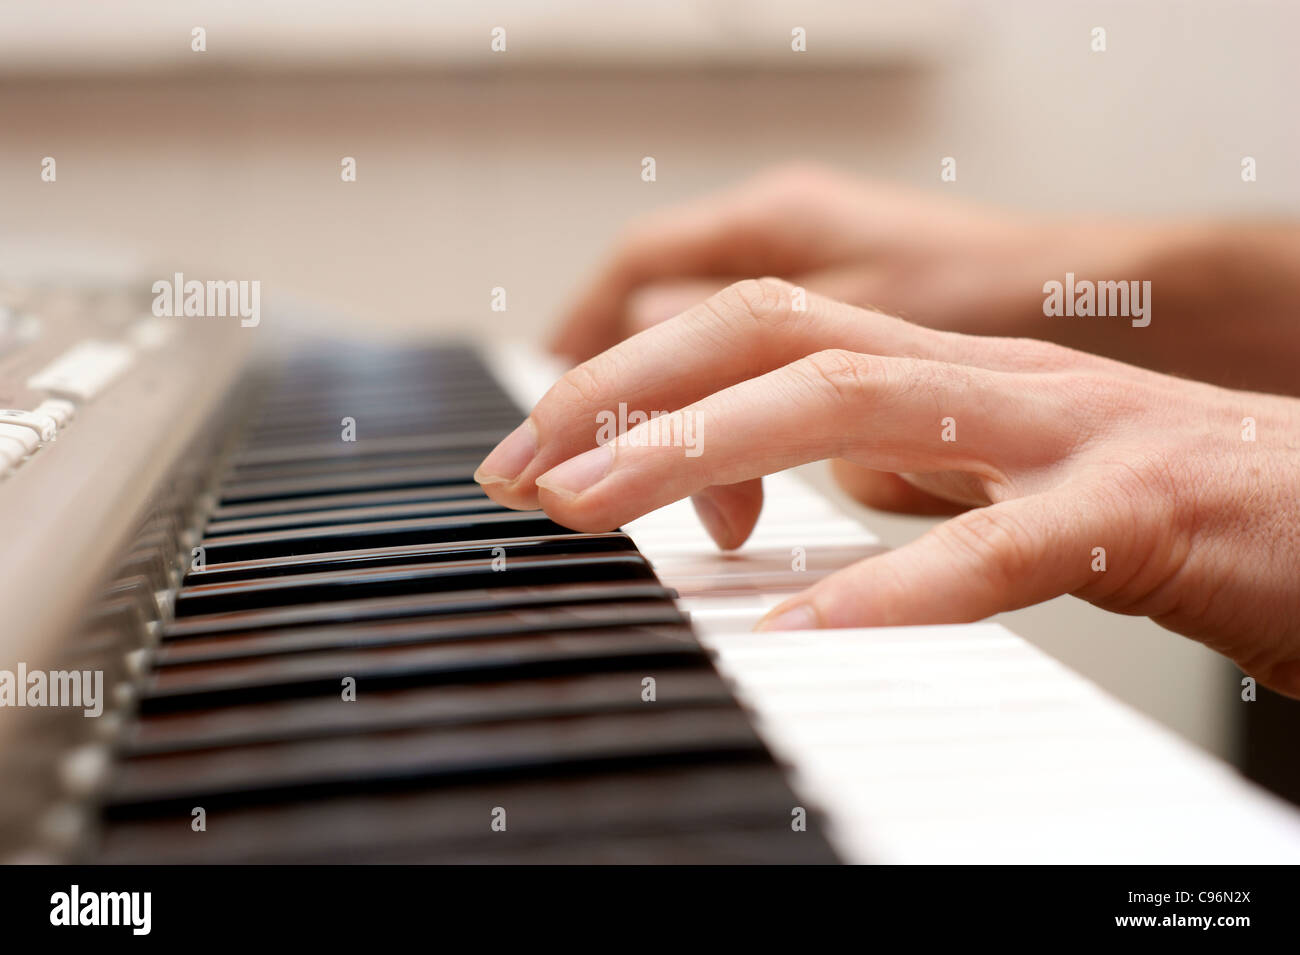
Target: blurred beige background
[478, 170]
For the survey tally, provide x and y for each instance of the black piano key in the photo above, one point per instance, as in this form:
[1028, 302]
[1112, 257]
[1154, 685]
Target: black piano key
[308, 405]
[354, 465]
[442, 705]
[344, 515]
[439, 440]
[391, 478]
[422, 530]
[388, 633]
[380, 608]
[323, 423]
[416, 758]
[423, 578]
[659, 805]
[322, 673]
[324, 502]
[305, 400]
[509, 547]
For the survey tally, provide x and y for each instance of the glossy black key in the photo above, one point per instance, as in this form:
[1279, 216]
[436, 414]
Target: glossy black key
[324, 502]
[307, 769]
[675, 812]
[345, 515]
[388, 479]
[420, 530]
[425, 578]
[381, 608]
[492, 548]
[391, 633]
[594, 650]
[442, 705]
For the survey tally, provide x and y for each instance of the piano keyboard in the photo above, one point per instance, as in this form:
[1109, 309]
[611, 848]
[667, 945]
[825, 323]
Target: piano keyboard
[369, 661]
[950, 744]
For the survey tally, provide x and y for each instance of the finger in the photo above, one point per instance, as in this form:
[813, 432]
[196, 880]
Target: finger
[729, 511]
[889, 492]
[659, 301]
[716, 237]
[986, 561]
[891, 414]
[749, 328]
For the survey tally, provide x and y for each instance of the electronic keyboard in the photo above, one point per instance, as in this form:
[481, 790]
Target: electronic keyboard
[320, 642]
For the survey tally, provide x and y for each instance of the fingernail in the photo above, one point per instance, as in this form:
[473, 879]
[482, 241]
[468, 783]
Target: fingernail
[509, 458]
[798, 617]
[711, 517]
[577, 474]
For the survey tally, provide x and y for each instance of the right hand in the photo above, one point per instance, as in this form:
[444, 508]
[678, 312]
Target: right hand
[937, 262]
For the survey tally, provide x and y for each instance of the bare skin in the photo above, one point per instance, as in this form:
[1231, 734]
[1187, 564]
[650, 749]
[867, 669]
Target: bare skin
[1225, 295]
[1045, 454]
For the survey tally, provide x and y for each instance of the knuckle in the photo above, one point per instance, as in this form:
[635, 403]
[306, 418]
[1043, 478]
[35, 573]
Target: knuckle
[582, 386]
[1000, 545]
[1089, 390]
[1041, 355]
[1098, 402]
[848, 373]
[764, 301]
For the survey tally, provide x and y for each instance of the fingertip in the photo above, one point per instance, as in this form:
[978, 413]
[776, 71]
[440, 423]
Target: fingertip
[729, 512]
[570, 479]
[507, 495]
[715, 523]
[511, 457]
[796, 614]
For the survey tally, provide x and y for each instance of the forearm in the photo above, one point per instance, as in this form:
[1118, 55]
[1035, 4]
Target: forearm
[1224, 305]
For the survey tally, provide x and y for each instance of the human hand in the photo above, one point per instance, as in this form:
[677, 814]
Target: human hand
[1070, 463]
[939, 262]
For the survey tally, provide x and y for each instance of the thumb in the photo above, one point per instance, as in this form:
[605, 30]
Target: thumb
[1001, 557]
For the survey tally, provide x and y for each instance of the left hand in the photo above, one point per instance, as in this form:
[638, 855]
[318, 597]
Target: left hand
[1061, 457]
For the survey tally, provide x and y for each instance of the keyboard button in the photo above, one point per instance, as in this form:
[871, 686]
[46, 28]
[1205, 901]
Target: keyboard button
[11, 452]
[46, 428]
[57, 408]
[384, 608]
[488, 549]
[420, 630]
[29, 440]
[225, 683]
[351, 764]
[84, 370]
[355, 584]
[431, 530]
